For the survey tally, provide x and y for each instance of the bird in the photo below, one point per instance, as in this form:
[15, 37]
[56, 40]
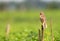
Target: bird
[43, 19]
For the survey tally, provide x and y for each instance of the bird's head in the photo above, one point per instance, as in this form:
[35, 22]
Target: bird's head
[41, 13]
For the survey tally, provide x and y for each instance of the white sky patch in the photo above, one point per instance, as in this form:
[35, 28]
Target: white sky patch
[11, 0]
[50, 0]
[25, 0]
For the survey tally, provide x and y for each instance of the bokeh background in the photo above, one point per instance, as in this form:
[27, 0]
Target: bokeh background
[24, 20]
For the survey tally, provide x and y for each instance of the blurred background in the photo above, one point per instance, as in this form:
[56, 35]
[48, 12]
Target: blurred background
[29, 4]
[24, 20]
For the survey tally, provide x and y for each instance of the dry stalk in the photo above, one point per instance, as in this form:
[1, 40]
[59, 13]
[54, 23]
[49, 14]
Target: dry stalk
[51, 30]
[42, 28]
[7, 30]
[39, 37]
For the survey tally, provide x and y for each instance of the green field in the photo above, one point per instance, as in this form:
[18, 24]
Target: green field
[24, 25]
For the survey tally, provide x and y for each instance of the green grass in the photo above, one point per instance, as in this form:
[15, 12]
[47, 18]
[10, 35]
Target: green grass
[25, 25]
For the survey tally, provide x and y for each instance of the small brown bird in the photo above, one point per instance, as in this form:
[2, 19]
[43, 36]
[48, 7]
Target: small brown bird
[43, 19]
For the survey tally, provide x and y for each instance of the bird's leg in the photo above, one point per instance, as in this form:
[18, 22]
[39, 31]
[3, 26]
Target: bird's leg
[44, 25]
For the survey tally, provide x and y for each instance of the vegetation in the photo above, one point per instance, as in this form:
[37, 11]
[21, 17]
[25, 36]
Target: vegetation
[24, 25]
